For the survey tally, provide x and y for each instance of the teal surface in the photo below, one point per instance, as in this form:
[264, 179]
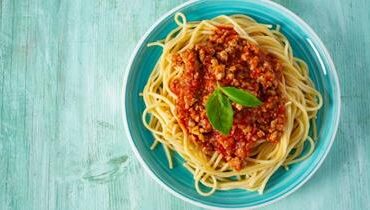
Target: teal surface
[307, 46]
[62, 144]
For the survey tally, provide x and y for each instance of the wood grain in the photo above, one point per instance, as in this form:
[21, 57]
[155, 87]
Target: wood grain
[62, 144]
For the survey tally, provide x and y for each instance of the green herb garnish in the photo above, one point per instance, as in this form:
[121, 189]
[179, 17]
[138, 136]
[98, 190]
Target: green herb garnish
[219, 110]
[241, 97]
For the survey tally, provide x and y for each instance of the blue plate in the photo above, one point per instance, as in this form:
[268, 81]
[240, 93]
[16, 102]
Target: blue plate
[306, 45]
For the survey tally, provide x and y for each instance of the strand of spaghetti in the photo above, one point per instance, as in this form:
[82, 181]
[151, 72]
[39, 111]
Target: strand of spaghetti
[168, 155]
[312, 147]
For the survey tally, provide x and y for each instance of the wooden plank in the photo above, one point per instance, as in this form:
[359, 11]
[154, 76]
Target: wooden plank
[62, 144]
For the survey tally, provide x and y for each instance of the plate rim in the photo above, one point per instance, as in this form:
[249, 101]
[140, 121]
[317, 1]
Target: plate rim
[336, 96]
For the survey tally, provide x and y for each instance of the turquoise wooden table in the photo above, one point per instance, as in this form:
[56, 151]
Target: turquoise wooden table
[62, 144]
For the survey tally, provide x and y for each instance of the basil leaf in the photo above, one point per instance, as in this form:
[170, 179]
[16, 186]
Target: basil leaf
[220, 112]
[241, 97]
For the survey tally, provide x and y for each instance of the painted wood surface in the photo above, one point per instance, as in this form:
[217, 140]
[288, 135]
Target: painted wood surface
[62, 144]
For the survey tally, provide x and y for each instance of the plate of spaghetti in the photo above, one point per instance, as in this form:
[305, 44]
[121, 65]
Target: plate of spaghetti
[231, 104]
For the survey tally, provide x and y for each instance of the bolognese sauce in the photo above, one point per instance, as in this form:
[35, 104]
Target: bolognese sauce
[228, 60]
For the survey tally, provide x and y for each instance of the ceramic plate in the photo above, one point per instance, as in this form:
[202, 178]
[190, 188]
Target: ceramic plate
[305, 44]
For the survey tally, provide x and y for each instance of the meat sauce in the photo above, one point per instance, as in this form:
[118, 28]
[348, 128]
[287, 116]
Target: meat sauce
[227, 59]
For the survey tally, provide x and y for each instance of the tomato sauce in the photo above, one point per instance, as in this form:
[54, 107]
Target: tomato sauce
[227, 59]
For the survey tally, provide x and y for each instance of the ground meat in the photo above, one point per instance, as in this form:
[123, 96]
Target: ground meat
[229, 60]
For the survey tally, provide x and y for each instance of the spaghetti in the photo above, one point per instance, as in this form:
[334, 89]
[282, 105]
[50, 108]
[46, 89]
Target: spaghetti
[216, 168]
